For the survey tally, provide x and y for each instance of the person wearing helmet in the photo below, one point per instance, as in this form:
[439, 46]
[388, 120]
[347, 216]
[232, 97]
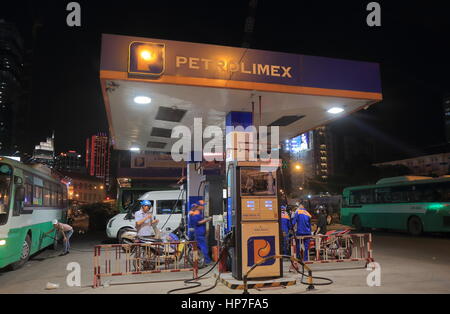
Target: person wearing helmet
[145, 221]
[66, 231]
[199, 224]
[191, 227]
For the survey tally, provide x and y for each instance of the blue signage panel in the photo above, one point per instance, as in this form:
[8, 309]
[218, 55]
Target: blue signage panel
[157, 58]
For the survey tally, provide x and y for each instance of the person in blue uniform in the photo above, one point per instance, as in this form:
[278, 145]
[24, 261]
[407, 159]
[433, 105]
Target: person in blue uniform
[191, 227]
[285, 227]
[302, 220]
[199, 224]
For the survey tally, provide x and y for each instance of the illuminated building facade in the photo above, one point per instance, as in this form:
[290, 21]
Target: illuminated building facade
[310, 156]
[69, 161]
[44, 153]
[98, 154]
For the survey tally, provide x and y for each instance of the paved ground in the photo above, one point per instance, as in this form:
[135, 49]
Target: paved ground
[408, 265]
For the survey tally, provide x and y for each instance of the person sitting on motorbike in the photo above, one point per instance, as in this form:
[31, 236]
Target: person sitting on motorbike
[145, 221]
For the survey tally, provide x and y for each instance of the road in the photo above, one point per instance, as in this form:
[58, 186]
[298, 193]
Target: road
[408, 265]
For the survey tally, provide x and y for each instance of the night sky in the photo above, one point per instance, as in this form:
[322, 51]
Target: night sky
[412, 46]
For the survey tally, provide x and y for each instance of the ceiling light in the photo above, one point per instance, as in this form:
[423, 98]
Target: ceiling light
[335, 110]
[142, 100]
[135, 149]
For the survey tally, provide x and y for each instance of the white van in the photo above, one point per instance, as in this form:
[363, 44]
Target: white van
[168, 208]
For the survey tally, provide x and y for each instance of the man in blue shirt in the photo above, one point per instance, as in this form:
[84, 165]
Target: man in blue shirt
[285, 227]
[302, 221]
[199, 224]
[145, 220]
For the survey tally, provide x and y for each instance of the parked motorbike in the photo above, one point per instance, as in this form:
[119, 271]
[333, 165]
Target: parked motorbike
[171, 253]
[333, 245]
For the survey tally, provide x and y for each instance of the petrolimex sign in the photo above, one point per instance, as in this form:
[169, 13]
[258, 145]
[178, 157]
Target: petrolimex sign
[209, 61]
[196, 63]
[146, 58]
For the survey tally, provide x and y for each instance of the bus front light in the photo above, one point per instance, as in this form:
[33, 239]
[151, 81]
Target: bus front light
[2, 242]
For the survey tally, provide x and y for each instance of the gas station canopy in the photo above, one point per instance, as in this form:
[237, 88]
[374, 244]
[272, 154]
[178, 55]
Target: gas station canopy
[152, 85]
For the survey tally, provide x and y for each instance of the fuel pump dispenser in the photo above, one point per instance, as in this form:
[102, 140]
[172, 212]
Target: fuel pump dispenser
[253, 206]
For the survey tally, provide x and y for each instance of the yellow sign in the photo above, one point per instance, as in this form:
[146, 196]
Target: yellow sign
[260, 240]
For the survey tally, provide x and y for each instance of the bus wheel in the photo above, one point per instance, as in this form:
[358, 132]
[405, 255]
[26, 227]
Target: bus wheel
[357, 223]
[415, 227]
[25, 255]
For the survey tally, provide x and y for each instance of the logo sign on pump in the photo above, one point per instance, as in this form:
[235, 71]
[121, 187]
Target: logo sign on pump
[260, 248]
[146, 58]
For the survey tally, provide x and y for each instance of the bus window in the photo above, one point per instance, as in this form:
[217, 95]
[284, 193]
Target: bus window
[37, 196]
[5, 184]
[28, 189]
[46, 195]
[28, 195]
[54, 196]
[383, 195]
[361, 197]
[59, 196]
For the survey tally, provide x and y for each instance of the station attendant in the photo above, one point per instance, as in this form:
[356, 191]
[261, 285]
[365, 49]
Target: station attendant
[199, 223]
[302, 221]
[145, 221]
[191, 227]
[285, 227]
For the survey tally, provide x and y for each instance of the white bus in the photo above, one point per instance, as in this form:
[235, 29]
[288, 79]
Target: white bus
[29, 200]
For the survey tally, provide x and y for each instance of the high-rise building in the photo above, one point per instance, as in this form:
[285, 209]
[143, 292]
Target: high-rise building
[98, 154]
[11, 88]
[312, 151]
[44, 153]
[446, 105]
[69, 161]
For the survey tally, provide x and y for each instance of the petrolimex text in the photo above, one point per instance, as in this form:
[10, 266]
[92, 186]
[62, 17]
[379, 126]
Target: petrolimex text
[229, 66]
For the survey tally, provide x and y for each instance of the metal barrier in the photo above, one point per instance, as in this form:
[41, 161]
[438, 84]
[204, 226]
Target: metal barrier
[144, 258]
[334, 248]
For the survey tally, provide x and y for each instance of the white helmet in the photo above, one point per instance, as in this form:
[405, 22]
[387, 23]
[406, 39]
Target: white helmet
[55, 221]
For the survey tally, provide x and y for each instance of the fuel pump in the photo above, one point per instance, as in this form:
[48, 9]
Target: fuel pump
[253, 206]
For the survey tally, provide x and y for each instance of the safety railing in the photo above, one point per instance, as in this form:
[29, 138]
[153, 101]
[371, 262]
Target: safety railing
[338, 248]
[144, 258]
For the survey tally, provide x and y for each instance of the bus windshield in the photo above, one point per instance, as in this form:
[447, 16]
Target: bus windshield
[5, 184]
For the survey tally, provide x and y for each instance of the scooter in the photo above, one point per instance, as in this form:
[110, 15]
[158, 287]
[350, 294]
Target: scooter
[171, 253]
[333, 245]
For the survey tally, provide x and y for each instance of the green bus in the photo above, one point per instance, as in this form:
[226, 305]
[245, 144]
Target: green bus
[409, 203]
[29, 200]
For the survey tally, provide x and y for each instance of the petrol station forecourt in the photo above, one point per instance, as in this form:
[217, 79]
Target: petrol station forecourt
[153, 85]
[219, 84]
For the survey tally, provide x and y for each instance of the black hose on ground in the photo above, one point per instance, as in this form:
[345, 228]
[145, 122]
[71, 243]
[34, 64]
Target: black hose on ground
[195, 280]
